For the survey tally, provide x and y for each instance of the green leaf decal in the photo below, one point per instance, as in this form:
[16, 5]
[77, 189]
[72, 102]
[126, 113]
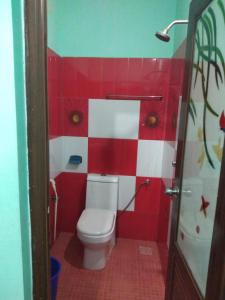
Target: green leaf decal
[217, 52]
[210, 27]
[209, 58]
[197, 66]
[205, 140]
[193, 106]
[198, 69]
[213, 17]
[207, 31]
[191, 113]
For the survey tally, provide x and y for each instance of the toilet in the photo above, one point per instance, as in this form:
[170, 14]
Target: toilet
[96, 225]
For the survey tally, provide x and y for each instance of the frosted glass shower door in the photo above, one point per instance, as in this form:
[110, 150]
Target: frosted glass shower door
[204, 143]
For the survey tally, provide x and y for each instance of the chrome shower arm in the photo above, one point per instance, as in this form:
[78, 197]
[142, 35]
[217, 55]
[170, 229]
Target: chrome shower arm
[163, 35]
[175, 23]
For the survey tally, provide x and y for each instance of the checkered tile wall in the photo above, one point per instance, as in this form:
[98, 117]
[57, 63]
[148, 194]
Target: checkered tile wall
[122, 137]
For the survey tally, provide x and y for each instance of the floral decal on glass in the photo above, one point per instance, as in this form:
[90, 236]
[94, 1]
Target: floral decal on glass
[210, 60]
[205, 204]
[222, 121]
[204, 142]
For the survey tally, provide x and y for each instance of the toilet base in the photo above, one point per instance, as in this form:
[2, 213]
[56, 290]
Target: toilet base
[96, 256]
[94, 259]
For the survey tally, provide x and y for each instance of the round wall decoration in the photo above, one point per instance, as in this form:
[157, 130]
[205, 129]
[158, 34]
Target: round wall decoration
[76, 117]
[152, 120]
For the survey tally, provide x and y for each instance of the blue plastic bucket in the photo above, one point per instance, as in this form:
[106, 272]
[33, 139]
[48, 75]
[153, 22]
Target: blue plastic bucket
[55, 270]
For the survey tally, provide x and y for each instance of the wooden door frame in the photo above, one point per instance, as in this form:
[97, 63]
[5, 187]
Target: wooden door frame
[37, 113]
[37, 118]
[216, 280]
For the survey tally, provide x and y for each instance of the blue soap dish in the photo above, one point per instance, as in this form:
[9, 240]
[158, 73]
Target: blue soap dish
[75, 159]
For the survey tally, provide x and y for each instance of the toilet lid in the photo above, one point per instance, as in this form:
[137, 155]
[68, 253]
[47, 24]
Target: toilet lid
[95, 221]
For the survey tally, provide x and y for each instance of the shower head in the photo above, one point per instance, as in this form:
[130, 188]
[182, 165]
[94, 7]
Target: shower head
[163, 35]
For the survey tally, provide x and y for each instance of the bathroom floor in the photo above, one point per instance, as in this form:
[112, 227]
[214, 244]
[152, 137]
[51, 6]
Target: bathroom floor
[133, 272]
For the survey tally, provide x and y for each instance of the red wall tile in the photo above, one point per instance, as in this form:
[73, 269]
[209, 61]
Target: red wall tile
[122, 67]
[172, 113]
[134, 76]
[177, 71]
[138, 226]
[69, 77]
[143, 222]
[95, 77]
[109, 77]
[53, 94]
[72, 201]
[83, 78]
[149, 68]
[149, 221]
[155, 77]
[112, 156]
[72, 81]
[148, 199]
[135, 69]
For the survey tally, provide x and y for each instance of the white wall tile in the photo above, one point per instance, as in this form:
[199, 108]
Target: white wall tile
[167, 168]
[74, 146]
[150, 156]
[127, 187]
[55, 156]
[114, 118]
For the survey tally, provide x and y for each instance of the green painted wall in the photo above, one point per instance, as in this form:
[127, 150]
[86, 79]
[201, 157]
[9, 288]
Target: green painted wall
[15, 258]
[19, 72]
[182, 12]
[109, 28]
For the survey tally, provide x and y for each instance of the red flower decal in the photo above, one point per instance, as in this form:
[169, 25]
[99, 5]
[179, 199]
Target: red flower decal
[222, 121]
[204, 206]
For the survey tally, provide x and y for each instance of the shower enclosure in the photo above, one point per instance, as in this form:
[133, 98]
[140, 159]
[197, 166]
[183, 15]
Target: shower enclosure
[200, 187]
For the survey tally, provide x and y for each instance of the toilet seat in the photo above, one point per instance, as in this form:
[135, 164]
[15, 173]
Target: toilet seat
[96, 226]
[96, 222]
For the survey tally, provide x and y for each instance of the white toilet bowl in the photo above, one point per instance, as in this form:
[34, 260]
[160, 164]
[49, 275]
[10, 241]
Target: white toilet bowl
[96, 230]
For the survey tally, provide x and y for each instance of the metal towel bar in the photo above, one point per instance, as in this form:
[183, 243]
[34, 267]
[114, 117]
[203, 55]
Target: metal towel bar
[129, 97]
